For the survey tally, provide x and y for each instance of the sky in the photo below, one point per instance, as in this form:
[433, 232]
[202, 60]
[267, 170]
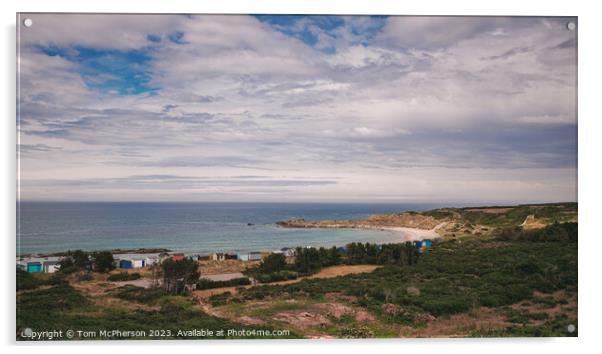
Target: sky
[297, 108]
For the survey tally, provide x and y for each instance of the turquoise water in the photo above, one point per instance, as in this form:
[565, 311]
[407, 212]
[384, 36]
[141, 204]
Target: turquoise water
[189, 227]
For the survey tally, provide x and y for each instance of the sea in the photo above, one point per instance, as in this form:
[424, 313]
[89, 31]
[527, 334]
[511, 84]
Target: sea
[193, 228]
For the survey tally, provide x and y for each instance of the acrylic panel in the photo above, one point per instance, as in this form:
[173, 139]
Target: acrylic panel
[295, 176]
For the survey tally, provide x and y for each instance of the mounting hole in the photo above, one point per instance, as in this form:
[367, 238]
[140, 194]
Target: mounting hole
[571, 26]
[571, 328]
[28, 22]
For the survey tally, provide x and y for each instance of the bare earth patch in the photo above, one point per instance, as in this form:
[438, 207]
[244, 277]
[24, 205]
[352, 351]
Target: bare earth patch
[569, 309]
[460, 325]
[205, 294]
[302, 319]
[250, 320]
[340, 270]
[226, 266]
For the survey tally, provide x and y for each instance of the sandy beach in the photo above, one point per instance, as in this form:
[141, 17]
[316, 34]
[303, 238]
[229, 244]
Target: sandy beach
[415, 234]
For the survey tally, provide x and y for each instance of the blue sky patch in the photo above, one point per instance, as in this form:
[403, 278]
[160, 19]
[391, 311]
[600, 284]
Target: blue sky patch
[177, 37]
[304, 27]
[109, 70]
[154, 38]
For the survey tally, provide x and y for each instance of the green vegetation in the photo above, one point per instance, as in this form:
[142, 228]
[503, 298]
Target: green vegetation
[220, 299]
[178, 275]
[395, 253]
[213, 284]
[63, 307]
[311, 260]
[277, 276]
[76, 259]
[551, 213]
[27, 281]
[139, 294]
[103, 261]
[123, 276]
[566, 232]
[274, 262]
[452, 278]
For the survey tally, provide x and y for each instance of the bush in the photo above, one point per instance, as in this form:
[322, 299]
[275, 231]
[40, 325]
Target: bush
[446, 305]
[220, 299]
[277, 276]
[27, 281]
[103, 261]
[139, 294]
[564, 232]
[274, 262]
[213, 284]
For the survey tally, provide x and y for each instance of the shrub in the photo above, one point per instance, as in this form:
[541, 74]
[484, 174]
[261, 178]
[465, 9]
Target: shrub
[220, 299]
[445, 305]
[277, 276]
[274, 262]
[564, 232]
[356, 332]
[27, 281]
[213, 284]
[103, 261]
[139, 294]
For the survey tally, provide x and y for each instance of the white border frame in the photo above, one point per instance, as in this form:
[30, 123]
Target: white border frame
[589, 172]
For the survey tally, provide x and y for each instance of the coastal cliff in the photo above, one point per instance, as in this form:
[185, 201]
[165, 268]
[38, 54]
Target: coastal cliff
[410, 219]
[453, 222]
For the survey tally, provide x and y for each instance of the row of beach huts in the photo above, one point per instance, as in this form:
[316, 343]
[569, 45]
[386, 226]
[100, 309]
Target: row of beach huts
[51, 264]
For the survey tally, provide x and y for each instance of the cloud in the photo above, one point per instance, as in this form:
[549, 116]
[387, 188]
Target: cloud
[201, 161]
[368, 101]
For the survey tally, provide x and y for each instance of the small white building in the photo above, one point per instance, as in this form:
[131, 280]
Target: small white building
[255, 256]
[288, 252]
[218, 256]
[51, 266]
[151, 260]
[137, 262]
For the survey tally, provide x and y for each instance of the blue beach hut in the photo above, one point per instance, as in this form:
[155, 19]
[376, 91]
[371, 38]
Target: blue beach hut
[34, 267]
[418, 244]
[428, 243]
[125, 264]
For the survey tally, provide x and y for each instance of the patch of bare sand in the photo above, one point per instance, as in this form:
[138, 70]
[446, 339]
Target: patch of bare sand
[302, 319]
[226, 266]
[207, 293]
[340, 270]
[532, 224]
